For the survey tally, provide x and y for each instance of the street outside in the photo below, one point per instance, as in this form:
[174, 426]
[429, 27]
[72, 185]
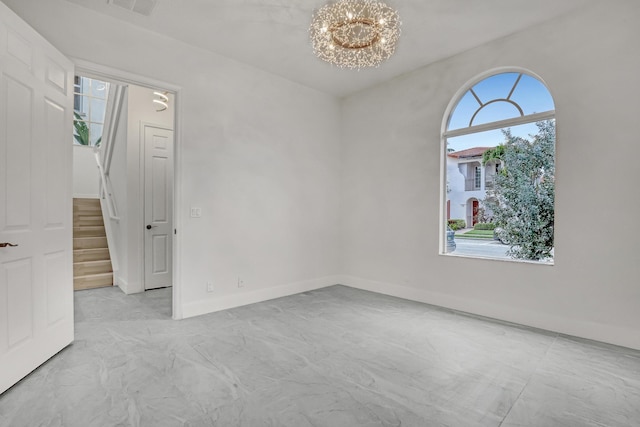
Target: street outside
[481, 248]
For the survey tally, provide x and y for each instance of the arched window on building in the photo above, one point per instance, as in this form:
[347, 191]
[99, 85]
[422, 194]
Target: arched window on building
[499, 169]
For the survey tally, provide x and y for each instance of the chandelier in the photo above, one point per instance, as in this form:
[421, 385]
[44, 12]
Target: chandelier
[355, 33]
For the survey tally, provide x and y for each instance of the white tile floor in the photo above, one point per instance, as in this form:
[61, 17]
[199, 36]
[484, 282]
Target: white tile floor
[333, 357]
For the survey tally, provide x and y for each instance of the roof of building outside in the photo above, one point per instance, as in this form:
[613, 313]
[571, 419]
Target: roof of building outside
[469, 152]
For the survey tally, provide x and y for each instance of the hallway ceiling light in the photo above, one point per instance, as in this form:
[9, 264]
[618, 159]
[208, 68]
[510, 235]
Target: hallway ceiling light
[163, 102]
[355, 33]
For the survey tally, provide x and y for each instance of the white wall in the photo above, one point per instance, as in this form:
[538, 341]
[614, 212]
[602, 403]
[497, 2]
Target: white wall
[85, 172]
[591, 63]
[260, 156]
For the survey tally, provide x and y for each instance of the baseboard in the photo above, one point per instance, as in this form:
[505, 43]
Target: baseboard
[86, 196]
[251, 297]
[583, 329]
[120, 282]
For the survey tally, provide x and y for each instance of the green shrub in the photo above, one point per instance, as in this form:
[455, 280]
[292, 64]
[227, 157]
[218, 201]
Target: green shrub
[456, 224]
[484, 226]
[480, 233]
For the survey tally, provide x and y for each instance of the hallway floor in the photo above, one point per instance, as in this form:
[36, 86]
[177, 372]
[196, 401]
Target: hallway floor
[332, 357]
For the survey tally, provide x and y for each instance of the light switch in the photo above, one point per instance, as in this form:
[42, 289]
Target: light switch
[196, 212]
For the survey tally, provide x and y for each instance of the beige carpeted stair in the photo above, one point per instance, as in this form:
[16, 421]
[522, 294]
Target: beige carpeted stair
[91, 261]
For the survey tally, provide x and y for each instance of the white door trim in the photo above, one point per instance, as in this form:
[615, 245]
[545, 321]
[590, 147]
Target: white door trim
[103, 71]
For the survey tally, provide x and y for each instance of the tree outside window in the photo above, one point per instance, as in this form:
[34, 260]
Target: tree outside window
[522, 200]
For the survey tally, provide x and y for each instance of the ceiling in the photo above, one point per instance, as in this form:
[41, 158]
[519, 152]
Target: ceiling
[273, 34]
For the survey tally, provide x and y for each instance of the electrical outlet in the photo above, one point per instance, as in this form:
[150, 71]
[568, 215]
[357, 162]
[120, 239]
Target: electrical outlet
[196, 212]
[240, 283]
[209, 287]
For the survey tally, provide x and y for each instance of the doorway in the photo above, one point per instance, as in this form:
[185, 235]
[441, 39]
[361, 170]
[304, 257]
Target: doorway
[473, 207]
[141, 182]
[474, 212]
[36, 115]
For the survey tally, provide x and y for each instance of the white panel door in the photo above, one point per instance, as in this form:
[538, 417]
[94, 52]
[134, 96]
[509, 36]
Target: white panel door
[36, 116]
[158, 206]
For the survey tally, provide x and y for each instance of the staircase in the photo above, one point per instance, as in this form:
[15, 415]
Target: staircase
[91, 260]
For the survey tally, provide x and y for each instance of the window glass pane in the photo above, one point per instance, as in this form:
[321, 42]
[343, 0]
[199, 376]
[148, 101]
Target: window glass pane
[532, 96]
[76, 84]
[529, 94]
[489, 138]
[97, 110]
[77, 102]
[90, 105]
[473, 198]
[80, 132]
[82, 106]
[496, 111]
[84, 85]
[96, 133]
[99, 89]
[495, 87]
[463, 112]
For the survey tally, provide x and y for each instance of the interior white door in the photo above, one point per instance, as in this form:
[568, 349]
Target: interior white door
[158, 206]
[36, 117]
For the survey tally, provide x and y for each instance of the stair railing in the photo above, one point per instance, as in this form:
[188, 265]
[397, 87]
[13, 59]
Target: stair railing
[105, 152]
[105, 188]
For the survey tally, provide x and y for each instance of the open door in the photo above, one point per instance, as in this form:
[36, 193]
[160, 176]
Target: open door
[36, 117]
[474, 214]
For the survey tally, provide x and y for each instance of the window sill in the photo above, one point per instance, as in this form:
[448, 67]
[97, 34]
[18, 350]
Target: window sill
[521, 261]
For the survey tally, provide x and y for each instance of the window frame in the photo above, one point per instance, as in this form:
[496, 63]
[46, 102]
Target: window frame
[87, 98]
[445, 134]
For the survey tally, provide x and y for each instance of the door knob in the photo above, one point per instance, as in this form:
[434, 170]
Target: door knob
[5, 244]
[149, 227]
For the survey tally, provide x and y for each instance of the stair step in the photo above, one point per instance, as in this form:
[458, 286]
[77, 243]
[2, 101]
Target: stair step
[85, 268]
[84, 222]
[86, 213]
[94, 217]
[86, 202]
[89, 231]
[83, 213]
[99, 254]
[89, 242]
[92, 281]
[87, 208]
[90, 216]
[88, 221]
[93, 204]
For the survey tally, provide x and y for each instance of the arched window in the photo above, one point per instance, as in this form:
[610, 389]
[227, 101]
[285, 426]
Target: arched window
[499, 169]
